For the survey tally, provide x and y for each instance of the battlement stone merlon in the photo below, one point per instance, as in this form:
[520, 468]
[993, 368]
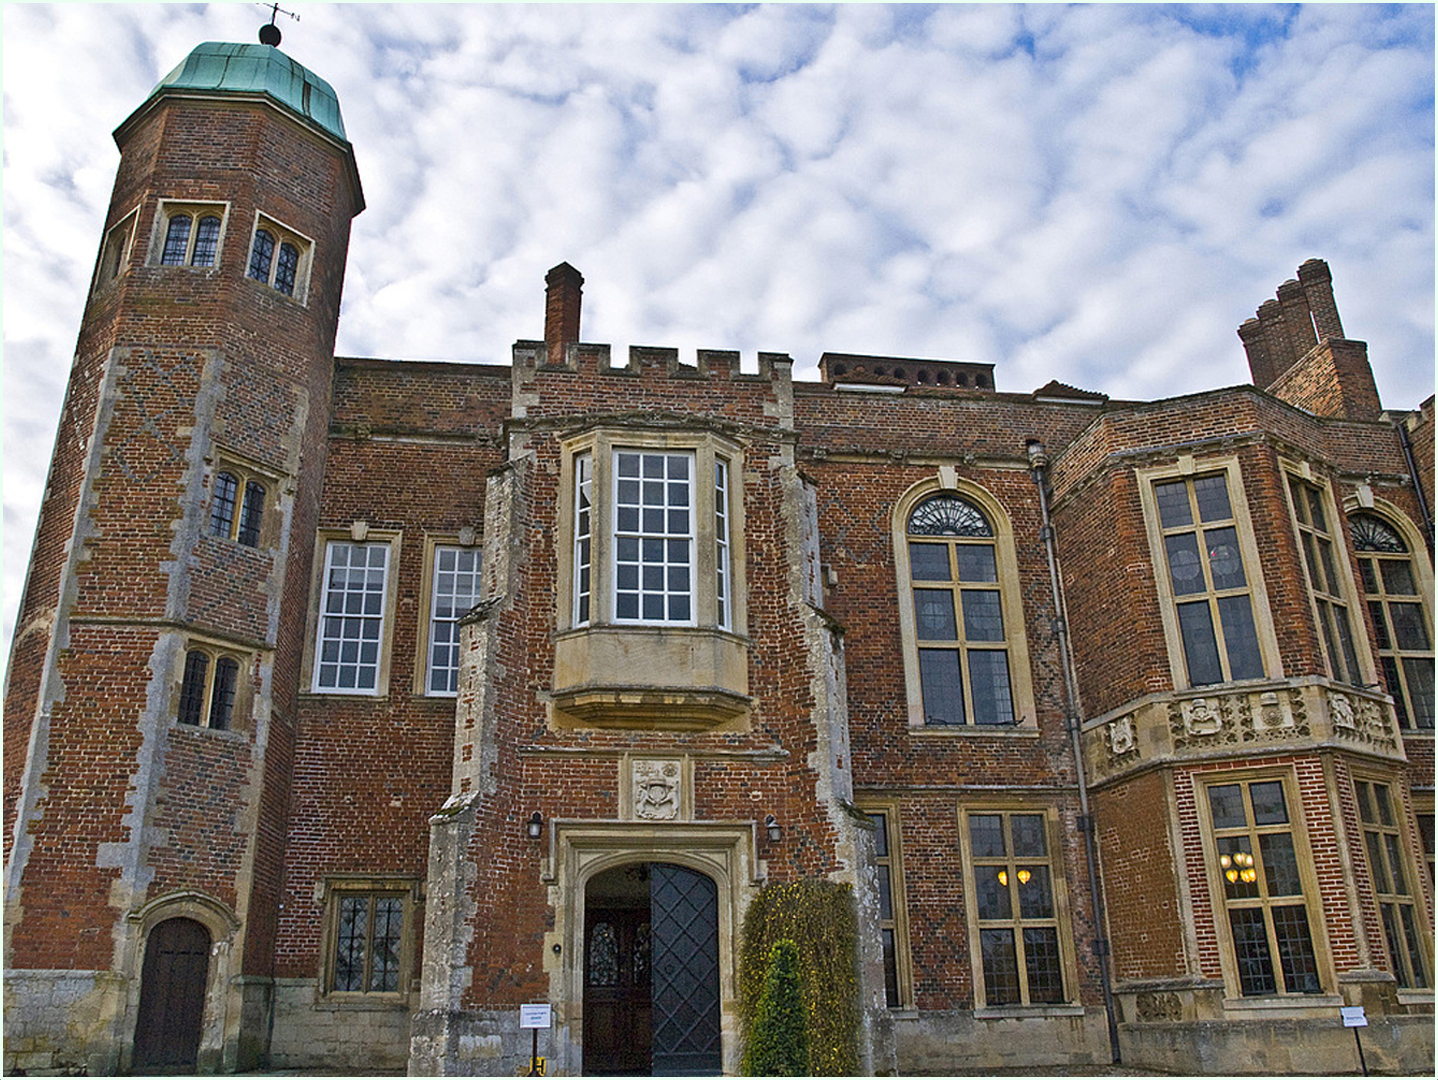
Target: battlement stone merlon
[589, 358]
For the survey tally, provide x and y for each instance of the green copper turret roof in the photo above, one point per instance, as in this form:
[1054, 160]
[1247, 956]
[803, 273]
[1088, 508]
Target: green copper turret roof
[258, 69]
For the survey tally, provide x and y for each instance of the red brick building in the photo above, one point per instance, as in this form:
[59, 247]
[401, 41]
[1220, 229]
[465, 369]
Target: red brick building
[355, 703]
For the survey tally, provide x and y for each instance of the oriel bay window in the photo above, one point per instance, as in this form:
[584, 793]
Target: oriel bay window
[665, 552]
[1258, 865]
[651, 598]
[965, 659]
[1322, 560]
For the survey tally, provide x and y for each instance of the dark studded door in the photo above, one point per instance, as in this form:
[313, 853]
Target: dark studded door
[684, 910]
[172, 997]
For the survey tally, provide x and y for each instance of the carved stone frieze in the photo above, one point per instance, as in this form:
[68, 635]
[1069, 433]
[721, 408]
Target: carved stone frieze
[1239, 719]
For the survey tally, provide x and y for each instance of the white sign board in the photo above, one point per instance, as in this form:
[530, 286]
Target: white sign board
[1353, 1016]
[534, 1016]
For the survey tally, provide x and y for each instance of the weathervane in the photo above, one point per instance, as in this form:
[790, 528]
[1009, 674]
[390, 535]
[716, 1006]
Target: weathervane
[270, 33]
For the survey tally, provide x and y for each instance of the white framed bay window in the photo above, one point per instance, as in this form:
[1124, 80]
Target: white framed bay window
[656, 548]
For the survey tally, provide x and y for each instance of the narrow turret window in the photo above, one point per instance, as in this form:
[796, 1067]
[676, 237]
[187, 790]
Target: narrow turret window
[280, 258]
[191, 234]
[237, 508]
[209, 689]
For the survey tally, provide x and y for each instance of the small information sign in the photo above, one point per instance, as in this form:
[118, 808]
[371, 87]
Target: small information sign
[534, 1016]
[1353, 1016]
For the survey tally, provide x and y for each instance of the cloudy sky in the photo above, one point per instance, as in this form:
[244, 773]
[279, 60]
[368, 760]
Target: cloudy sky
[1094, 194]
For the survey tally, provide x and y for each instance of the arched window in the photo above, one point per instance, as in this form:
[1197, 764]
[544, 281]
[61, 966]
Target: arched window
[1402, 633]
[192, 236]
[261, 254]
[177, 241]
[280, 258]
[961, 635]
[246, 526]
[208, 691]
[285, 269]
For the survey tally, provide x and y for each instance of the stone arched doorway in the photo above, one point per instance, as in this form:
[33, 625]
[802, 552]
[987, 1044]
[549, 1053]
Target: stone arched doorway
[651, 972]
[172, 997]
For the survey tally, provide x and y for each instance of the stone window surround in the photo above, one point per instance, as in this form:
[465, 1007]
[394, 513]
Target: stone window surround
[1186, 467]
[358, 532]
[1352, 596]
[1312, 896]
[649, 675]
[1058, 877]
[1414, 865]
[1011, 602]
[283, 234]
[600, 444]
[117, 250]
[1366, 502]
[902, 961]
[216, 650]
[464, 538]
[196, 208]
[244, 471]
[328, 892]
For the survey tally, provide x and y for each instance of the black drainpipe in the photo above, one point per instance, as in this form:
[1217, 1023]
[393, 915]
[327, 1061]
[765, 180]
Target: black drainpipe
[1402, 426]
[1038, 464]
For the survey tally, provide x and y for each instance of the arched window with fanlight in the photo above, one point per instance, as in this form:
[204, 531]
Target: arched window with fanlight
[1402, 629]
[963, 624]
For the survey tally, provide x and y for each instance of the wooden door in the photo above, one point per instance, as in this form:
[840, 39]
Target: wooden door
[617, 1010]
[172, 997]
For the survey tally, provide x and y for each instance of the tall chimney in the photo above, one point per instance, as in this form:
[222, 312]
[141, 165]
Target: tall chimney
[564, 285]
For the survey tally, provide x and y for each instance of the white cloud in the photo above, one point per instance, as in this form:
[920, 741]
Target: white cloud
[1098, 194]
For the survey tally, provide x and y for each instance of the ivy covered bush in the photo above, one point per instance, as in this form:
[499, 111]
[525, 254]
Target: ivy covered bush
[778, 1039]
[818, 918]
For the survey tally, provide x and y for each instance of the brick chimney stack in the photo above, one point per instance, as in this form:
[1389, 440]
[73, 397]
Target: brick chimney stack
[564, 286]
[1297, 351]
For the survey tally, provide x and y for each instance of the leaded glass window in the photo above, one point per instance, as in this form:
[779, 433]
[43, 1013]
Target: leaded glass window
[368, 943]
[1402, 627]
[1208, 580]
[1393, 886]
[177, 240]
[962, 639]
[1262, 884]
[262, 252]
[1322, 564]
[1016, 908]
[222, 505]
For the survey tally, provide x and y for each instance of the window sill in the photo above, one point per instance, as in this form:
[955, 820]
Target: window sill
[1415, 997]
[363, 1002]
[968, 731]
[1024, 1012]
[229, 734]
[1282, 1001]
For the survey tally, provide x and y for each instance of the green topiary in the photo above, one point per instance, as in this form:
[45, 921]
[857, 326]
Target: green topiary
[778, 1040]
[818, 917]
